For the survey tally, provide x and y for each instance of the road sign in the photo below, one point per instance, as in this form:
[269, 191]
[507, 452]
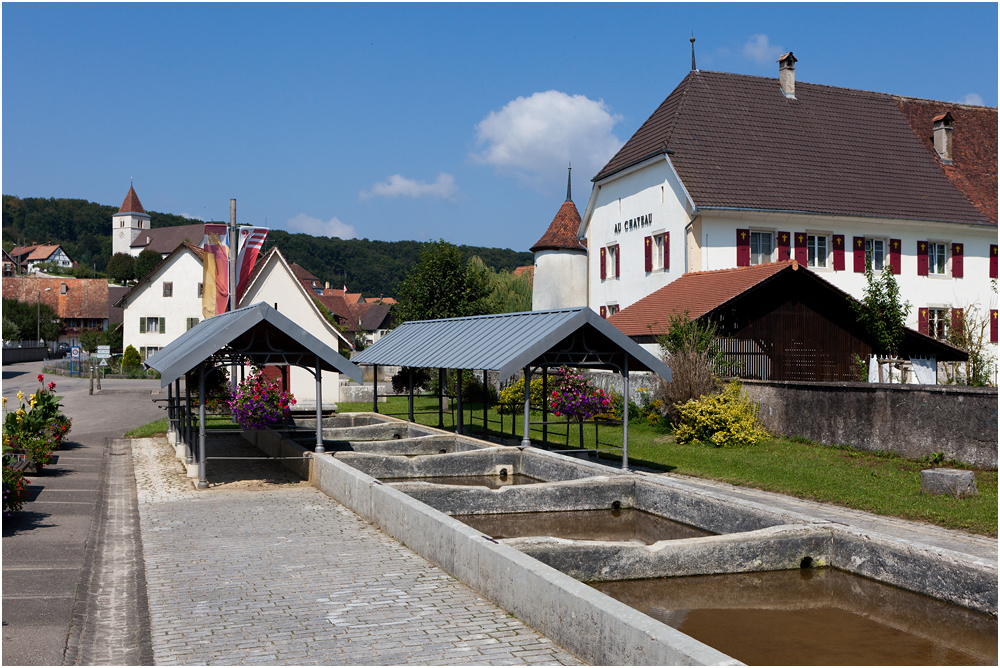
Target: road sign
[104, 362]
[103, 352]
[74, 353]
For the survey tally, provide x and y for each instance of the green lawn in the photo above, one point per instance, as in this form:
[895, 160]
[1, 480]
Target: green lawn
[885, 485]
[159, 427]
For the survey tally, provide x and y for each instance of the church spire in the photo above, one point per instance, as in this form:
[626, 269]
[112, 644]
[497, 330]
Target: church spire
[693, 66]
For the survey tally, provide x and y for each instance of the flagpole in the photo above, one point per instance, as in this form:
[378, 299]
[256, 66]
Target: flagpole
[234, 247]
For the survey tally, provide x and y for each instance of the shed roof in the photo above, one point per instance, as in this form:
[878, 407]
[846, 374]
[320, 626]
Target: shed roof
[258, 333]
[507, 342]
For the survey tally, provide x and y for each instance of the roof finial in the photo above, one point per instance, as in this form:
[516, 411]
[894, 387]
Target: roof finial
[569, 183]
[693, 66]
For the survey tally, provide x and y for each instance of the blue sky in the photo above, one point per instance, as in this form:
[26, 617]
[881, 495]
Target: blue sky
[413, 121]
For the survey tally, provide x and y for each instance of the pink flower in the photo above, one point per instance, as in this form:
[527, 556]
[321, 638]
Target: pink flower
[52, 385]
[41, 378]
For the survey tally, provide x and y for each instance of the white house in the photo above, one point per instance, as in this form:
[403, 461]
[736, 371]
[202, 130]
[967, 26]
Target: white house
[274, 283]
[168, 301]
[29, 257]
[165, 303]
[560, 268]
[734, 170]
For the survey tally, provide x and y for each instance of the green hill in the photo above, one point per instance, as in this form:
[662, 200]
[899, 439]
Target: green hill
[372, 267]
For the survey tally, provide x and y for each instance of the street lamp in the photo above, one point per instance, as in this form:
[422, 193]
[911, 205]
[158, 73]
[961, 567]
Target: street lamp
[38, 329]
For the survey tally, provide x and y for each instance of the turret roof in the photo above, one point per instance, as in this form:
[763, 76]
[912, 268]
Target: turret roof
[131, 203]
[561, 234]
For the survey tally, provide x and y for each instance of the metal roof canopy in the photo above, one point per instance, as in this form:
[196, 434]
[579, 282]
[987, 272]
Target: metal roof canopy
[508, 342]
[258, 333]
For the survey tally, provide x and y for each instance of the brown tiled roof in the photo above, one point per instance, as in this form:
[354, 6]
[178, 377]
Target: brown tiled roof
[528, 269]
[561, 234]
[131, 204]
[115, 313]
[166, 239]
[372, 316]
[84, 298]
[974, 147]
[697, 293]
[340, 308]
[301, 273]
[737, 142]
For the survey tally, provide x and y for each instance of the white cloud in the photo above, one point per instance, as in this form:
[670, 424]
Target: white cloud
[398, 185]
[973, 98]
[759, 50]
[319, 228]
[191, 216]
[541, 134]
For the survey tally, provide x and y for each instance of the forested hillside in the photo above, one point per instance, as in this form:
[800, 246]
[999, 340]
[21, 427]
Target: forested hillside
[372, 267]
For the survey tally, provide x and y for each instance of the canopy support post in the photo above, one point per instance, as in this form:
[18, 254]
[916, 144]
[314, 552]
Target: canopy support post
[411, 392]
[460, 423]
[319, 409]
[375, 389]
[177, 410]
[188, 421]
[526, 438]
[202, 479]
[170, 411]
[624, 418]
[441, 387]
[486, 403]
[545, 406]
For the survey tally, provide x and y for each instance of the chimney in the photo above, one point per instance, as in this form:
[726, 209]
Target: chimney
[786, 74]
[942, 137]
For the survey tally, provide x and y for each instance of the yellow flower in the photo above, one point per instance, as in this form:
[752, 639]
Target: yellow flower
[5, 402]
[20, 395]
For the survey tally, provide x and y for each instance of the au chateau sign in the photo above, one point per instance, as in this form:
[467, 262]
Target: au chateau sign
[638, 223]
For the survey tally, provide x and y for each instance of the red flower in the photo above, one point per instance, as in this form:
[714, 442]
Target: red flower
[52, 385]
[41, 378]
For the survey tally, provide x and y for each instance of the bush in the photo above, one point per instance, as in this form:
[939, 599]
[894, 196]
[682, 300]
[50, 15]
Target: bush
[511, 398]
[472, 386]
[576, 396]
[131, 359]
[690, 350]
[15, 489]
[728, 418]
[401, 379]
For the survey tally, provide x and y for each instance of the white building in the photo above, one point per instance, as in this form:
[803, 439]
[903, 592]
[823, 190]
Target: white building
[131, 232]
[167, 302]
[734, 170]
[560, 269]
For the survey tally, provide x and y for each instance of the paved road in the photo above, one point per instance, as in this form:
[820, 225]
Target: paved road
[283, 574]
[45, 546]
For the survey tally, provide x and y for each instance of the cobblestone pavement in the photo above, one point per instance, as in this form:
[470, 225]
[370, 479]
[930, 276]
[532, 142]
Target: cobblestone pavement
[283, 574]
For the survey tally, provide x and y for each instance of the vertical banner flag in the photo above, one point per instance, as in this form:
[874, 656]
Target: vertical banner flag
[251, 241]
[215, 281]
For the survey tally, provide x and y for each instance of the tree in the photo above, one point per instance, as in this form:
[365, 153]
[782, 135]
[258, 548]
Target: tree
[113, 337]
[507, 293]
[121, 268]
[971, 333]
[442, 285]
[11, 332]
[880, 310]
[690, 349]
[146, 262]
[89, 340]
[131, 359]
[30, 318]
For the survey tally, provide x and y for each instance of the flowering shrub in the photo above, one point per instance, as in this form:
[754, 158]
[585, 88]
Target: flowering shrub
[15, 489]
[576, 396]
[511, 398]
[259, 403]
[36, 423]
[727, 418]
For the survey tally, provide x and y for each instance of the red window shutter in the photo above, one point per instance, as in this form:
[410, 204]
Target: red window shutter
[604, 264]
[993, 324]
[838, 252]
[784, 241]
[649, 254]
[604, 311]
[895, 261]
[742, 248]
[993, 261]
[618, 261]
[666, 250]
[957, 261]
[801, 249]
[859, 255]
[923, 325]
[921, 258]
[957, 320]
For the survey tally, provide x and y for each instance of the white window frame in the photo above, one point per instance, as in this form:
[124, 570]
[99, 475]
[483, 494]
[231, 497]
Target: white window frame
[152, 318]
[659, 250]
[612, 309]
[932, 267]
[938, 321]
[812, 248]
[611, 266]
[759, 255]
[870, 250]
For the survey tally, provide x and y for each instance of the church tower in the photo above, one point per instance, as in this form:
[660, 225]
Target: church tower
[127, 223]
[560, 279]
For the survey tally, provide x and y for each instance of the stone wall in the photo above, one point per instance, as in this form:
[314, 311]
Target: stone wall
[911, 421]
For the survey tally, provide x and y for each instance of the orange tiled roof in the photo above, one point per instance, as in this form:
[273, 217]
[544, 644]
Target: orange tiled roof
[696, 292]
[131, 204]
[561, 234]
[84, 298]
